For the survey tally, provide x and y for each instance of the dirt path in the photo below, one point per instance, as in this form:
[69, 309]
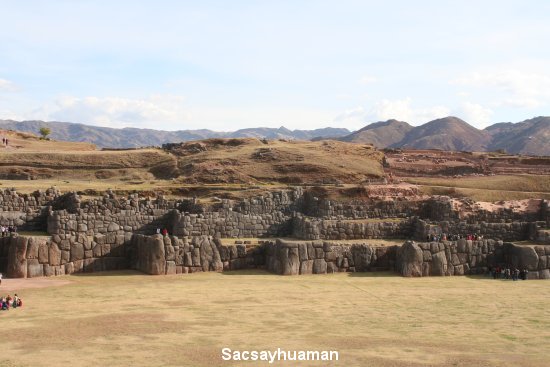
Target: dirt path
[11, 285]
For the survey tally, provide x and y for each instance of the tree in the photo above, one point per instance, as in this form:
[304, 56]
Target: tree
[45, 131]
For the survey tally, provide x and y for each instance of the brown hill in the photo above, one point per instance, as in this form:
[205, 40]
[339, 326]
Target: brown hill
[222, 161]
[449, 133]
[530, 137]
[262, 161]
[380, 134]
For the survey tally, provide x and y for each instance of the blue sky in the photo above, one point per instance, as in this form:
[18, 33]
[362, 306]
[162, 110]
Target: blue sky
[226, 65]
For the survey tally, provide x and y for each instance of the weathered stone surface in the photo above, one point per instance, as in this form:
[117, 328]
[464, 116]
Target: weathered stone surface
[319, 266]
[17, 261]
[362, 256]
[409, 260]
[524, 257]
[306, 267]
[77, 252]
[290, 260]
[54, 254]
[151, 258]
[439, 264]
[170, 267]
[34, 268]
[302, 248]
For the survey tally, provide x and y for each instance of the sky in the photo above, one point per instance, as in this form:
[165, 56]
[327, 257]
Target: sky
[226, 65]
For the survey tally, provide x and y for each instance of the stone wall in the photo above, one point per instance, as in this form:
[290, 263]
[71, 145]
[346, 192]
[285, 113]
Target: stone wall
[172, 255]
[325, 229]
[107, 215]
[230, 224]
[514, 231]
[25, 211]
[285, 201]
[36, 256]
[322, 257]
[4, 250]
[464, 257]
[357, 209]
[443, 208]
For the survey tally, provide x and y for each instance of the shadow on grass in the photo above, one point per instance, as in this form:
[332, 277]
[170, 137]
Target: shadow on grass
[248, 272]
[375, 274]
[109, 273]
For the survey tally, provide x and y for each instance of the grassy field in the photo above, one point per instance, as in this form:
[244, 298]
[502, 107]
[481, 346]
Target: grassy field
[487, 188]
[123, 319]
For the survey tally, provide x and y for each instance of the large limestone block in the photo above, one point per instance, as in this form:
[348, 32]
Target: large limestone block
[290, 260]
[151, 255]
[54, 254]
[170, 267]
[209, 255]
[525, 257]
[362, 256]
[77, 252]
[17, 260]
[319, 266]
[439, 264]
[35, 269]
[32, 248]
[409, 260]
[544, 274]
[302, 249]
[306, 267]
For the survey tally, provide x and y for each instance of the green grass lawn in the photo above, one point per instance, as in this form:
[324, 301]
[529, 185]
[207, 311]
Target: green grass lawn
[130, 319]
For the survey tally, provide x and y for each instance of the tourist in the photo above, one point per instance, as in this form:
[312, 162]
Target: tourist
[164, 232]
[15, 302]
[1, 278]
[516, 274]
[158, 230]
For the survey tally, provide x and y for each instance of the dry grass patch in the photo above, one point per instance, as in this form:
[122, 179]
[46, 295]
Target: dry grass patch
[371, 319]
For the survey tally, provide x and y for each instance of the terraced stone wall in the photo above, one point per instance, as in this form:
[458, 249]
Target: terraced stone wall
[27, 212]
[326, 229]
[470, 257]
[322, 257]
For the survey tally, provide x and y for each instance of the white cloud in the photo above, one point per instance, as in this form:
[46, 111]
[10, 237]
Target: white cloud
[6, 85]
[520, 88]
[116, 111]
[368, 79]
[400, 109]
[475, 114]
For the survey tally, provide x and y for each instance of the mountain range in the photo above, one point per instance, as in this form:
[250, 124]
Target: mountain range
[106, 137]
[530, 137]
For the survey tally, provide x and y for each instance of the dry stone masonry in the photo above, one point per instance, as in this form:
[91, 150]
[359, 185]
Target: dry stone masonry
[113, 233]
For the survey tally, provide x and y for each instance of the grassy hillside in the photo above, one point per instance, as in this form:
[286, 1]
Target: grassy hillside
[262, 161]
[80, 166]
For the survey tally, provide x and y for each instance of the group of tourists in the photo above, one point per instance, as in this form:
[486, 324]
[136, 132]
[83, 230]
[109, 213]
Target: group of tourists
[8, 302]
[5, 141]
[508, 273]
[164, 231]
[6, 231]
[433, 237]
